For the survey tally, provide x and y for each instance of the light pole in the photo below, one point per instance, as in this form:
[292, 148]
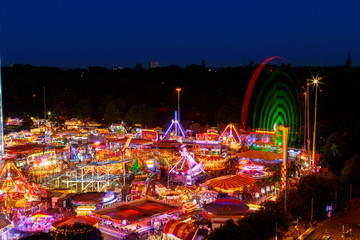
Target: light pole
[308, 123]
[316, 82]
[2, 148]
[48, 127]
[305, 123]
[285, 134]
[44, 103]
[178, 118]
[168, 175]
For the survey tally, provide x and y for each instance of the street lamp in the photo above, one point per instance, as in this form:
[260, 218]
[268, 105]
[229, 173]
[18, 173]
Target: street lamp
[178, 118]
[308, 122]
[315, 81]
[178, 91]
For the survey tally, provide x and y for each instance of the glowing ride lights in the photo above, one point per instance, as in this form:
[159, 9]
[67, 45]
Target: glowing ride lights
[250, 89]
[277, 102]
[202, 148]
[194, 168]
[214, 163]
[208, 136]
[253, 168]
[84, 210]
[253, 171]
[149, 134]
[230, 135]
[35, 223]
[179, 130]
[187, 167]
[14, 122]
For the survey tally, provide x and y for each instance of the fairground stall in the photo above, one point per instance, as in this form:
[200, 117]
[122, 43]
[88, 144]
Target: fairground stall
[224, 209]
[35, 223]
[259, 157]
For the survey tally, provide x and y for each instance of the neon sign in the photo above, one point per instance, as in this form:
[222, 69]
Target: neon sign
[108, 196]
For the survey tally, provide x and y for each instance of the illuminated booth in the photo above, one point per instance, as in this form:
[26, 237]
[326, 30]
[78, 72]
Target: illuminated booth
[85, 203]
[221, 210]
[109, 199]
[257, 156]
[206, 148]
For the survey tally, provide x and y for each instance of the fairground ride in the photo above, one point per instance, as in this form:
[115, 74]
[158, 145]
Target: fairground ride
[91, 177]
[278, 101]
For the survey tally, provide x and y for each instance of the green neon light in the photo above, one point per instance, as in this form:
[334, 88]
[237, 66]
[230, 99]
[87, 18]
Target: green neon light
[279, 102]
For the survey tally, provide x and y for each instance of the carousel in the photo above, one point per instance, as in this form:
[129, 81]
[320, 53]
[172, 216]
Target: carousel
[206, 196]
[214, 163]
[230, 183]
[253, 171]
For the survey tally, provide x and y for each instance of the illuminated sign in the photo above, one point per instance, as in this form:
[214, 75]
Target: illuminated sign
[108, 196]
[206, 142]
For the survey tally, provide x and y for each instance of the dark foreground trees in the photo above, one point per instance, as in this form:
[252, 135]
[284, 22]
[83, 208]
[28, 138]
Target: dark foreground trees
[258, 225]
[319, 189]
[78, 231]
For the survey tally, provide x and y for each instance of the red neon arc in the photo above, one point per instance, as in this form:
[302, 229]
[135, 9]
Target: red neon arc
[250, 89]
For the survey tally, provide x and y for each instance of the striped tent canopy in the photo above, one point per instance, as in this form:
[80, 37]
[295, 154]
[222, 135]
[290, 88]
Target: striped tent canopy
[257, 154]
[180, 230]
[213, 158]
[214, 162]
[230, 183]
[75, 219]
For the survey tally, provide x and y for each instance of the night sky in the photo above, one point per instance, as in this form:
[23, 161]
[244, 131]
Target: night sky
[224, 33]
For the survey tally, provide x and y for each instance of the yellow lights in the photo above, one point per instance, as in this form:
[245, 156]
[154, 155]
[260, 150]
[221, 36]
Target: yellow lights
[315, 80]
[178, 89]
[265, 132]
[254, 207]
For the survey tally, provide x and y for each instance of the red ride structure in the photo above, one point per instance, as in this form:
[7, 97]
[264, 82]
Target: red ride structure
[250, 89]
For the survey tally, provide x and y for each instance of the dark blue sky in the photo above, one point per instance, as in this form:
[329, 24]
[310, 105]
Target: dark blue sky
[108, 33]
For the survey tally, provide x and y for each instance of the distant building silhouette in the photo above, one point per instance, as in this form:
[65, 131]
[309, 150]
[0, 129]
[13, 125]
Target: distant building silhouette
[152, 65]
[203, 64]
[348, 62]
[251, 63]
[138, 66]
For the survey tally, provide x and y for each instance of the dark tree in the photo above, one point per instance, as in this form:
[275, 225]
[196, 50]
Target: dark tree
[319, 188]
[40, 236]
[230, 230]
[350, 172]
[78, 231]
[143, 114]
[83, 110]
[255, 226]
[27, 123]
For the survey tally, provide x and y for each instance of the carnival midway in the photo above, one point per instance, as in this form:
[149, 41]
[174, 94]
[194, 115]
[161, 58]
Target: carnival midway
[137, 183]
